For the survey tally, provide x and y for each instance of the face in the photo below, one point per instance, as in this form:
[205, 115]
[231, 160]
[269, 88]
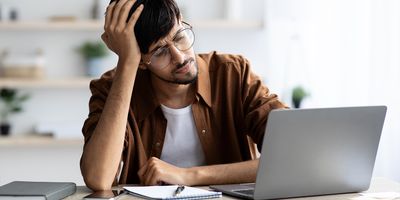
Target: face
[172, 59]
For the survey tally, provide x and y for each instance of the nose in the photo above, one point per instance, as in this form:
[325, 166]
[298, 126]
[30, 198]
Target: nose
[177, 56]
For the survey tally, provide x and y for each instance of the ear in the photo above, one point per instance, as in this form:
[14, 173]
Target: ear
[142, 65]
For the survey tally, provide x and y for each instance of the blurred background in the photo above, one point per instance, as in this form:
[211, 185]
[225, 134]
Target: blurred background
[311, 53]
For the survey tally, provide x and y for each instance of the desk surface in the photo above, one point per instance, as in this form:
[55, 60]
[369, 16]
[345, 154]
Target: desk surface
[377, 185]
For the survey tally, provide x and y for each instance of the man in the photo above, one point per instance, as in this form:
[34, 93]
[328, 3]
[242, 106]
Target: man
[165, 115]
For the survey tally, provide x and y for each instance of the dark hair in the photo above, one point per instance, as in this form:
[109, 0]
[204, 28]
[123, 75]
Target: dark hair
[156, 21]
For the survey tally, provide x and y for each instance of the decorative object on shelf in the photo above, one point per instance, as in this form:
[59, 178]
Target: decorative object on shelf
[22, 64]
[8, 13]
[298, 94]
[11, 103]
[98, 9]
[14, 14]
[93, 52]
[234, 9]
[95, 10]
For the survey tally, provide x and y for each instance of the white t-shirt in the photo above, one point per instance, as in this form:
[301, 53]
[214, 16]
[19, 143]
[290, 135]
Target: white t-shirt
[181, 147]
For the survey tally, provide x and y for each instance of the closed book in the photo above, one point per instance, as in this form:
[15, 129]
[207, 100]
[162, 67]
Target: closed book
[19, 190]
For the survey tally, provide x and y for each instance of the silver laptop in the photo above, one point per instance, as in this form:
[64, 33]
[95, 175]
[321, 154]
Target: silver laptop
[309, 152]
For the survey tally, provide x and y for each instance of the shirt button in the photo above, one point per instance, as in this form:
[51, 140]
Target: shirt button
[158, 144]
[203, 131]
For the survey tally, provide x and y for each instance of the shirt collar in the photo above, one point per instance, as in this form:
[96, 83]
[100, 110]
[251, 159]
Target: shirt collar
[146, 100]
[203, 81]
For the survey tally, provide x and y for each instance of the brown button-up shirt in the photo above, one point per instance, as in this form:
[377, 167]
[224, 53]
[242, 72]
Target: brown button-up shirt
[230, 112]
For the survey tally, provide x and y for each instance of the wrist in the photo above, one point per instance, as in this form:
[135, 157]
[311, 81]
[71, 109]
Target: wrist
[130, 65]
[129, 60]
[193, 176]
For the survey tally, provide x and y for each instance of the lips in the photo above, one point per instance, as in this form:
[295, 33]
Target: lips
[184, 69]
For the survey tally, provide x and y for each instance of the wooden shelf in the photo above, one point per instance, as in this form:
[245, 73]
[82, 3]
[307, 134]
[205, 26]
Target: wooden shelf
[91, 25]
[51, 25]
[45, 83]
[39, 141]
[227, 24]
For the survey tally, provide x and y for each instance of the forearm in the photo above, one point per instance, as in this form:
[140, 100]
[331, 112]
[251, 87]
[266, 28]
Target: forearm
[102, 153]
[242, 172]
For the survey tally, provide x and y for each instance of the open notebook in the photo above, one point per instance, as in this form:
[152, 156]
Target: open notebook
[167, 192]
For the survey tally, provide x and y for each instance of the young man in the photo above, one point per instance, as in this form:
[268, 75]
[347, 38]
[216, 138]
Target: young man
[166, 115]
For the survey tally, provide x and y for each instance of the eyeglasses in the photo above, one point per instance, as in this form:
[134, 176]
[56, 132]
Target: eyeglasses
[183, 41]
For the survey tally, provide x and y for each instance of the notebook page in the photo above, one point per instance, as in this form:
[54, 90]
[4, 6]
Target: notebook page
[167, 192]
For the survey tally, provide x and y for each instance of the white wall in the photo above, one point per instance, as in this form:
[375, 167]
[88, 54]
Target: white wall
[346, 53]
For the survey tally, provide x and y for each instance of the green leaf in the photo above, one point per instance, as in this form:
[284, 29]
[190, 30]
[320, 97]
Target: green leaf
[93, 50]
[7, 93]
[12, 102]
[23, 97]
[299, 93]
[16, 109]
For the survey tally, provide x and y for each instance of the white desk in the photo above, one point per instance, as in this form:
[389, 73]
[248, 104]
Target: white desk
[377, 185]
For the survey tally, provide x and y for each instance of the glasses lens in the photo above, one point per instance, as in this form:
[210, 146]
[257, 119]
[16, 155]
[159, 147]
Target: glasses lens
[161, 57]
[183, 41]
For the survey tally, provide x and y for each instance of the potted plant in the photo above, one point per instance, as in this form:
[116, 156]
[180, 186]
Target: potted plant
[298, 94]
[93, 52]
[11, 103]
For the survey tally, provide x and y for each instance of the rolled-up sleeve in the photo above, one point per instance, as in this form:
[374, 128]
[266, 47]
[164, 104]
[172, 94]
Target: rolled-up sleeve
[258, 101]
[99, 89]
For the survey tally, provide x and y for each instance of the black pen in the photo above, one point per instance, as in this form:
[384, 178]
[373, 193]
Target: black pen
[178, 190]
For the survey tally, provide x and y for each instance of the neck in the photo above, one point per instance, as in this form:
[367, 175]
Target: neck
[173, 95]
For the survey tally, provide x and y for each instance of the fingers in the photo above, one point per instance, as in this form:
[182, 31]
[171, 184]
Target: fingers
[142, 171]
[149, 174]
[135, 16]
[123, 15]
[154, 176]
[109, 13]
[116, 13]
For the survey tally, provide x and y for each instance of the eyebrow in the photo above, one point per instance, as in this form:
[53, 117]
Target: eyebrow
[161, 46]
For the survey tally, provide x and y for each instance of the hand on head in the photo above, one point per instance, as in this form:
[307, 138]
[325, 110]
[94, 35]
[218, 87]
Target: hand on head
[119, 34]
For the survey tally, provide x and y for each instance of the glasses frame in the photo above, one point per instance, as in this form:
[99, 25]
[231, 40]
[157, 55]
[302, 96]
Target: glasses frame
[189, 27]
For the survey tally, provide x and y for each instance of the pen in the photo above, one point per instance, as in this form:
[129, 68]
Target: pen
[178, 190]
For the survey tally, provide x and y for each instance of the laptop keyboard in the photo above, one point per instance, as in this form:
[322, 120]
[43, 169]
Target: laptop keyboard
[247, 192]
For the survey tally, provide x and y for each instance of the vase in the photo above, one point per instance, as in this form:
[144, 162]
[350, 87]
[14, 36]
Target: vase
[94, 67]
[5, 129]
[296, 103]
[234, 9]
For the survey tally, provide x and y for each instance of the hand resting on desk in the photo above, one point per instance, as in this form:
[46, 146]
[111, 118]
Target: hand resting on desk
[156, 172]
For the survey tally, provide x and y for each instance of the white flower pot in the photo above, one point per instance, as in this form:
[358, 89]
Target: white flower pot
[95, 67]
